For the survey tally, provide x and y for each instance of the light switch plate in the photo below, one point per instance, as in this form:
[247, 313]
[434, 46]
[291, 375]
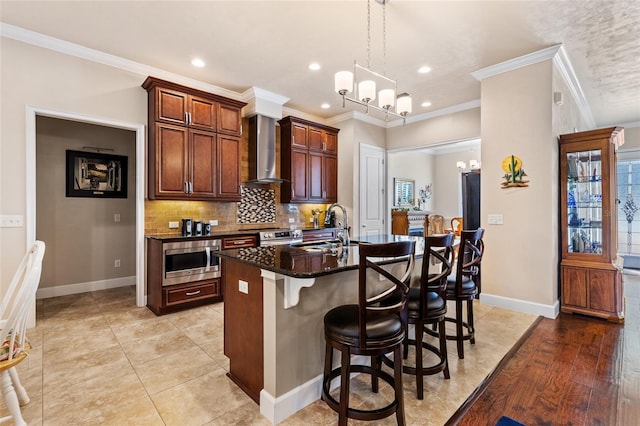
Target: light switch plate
[173, 225]
[243, 287]
[11, 221]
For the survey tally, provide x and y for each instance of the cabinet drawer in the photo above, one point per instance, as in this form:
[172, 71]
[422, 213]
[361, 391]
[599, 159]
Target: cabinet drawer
[239, 242]
[187, 293]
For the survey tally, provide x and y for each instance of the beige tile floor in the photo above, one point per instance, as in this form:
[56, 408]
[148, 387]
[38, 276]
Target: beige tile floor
[99, 359]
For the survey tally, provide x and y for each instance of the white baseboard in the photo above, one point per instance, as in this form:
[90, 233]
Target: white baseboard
[548, 311]
[278, 409]
[63, 290]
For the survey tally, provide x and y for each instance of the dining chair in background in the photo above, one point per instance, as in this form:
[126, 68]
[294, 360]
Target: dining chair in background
[14, 313]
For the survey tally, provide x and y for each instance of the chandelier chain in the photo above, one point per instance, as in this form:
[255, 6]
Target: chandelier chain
[384, 38]
[368, 33]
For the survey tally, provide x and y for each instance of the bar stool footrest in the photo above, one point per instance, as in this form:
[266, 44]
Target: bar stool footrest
[354, 413]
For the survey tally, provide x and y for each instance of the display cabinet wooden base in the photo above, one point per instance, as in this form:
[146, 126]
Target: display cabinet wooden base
[594, 290]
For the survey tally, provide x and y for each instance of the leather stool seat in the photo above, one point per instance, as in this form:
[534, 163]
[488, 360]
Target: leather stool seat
[342, 323]
[372, 328]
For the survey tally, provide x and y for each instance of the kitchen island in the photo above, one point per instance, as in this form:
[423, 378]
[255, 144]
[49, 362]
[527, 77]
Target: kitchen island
[275, 301]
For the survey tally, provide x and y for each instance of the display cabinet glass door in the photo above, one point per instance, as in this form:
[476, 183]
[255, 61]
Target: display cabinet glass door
[584, 202]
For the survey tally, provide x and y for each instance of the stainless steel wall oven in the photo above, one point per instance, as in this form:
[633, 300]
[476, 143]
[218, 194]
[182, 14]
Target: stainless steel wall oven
[188, 261]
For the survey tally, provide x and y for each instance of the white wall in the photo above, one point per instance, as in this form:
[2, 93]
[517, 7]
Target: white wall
[458, 126]
[32, 76]
[414, 165]
[521, 257]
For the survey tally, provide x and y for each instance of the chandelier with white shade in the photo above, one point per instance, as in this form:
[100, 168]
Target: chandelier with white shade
[368, 85]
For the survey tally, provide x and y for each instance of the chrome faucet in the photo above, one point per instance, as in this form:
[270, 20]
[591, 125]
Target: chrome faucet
[343, 231]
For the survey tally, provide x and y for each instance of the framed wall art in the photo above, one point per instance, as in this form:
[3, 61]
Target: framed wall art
[96, 175]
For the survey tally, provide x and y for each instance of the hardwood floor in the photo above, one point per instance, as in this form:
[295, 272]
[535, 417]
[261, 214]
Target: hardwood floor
[573, 370]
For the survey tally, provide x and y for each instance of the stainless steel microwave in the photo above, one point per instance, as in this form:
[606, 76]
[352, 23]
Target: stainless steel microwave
[188, 261]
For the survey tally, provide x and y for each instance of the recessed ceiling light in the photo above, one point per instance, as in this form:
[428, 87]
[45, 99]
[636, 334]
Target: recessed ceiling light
[424, 69]
[426, 104]
[197, 62]
[325, 106]
[314, 66]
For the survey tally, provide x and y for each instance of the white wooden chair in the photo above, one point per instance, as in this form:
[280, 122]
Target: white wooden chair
[14, 309]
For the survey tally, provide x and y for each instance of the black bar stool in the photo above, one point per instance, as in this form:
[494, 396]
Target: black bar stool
[372, 328]
[427, 305]
[463, 286]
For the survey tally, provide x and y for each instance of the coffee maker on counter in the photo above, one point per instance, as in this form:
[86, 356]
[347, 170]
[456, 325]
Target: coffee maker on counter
[187, 227]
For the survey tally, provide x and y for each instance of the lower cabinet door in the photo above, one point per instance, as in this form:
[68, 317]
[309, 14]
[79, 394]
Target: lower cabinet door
[574, 287]
[602, 291]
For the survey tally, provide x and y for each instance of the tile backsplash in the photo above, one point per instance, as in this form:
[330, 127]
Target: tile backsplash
[231, 216]
[258, 205]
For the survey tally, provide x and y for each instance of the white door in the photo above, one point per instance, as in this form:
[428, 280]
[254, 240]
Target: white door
[372, 193]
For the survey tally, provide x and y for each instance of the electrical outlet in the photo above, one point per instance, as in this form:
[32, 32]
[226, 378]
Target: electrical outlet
[11, 221]
[173, 225]
[311, 219]
[213, 222]
[495, 219]
[116, 217]
[243, 287]
[117, 263]
[291, 220]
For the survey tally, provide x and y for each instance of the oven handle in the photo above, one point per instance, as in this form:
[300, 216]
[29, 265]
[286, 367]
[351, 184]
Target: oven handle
[207, 250]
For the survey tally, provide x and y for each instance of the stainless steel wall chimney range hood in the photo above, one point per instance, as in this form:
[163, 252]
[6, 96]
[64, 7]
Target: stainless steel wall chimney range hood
[262, 150]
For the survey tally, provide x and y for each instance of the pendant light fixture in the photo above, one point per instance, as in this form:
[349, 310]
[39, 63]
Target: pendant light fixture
[364, 80]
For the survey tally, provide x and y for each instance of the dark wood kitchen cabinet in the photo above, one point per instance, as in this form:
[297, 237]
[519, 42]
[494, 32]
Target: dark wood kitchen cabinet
[591, 272]
[309, 161]
[171, 298]
[194, 144]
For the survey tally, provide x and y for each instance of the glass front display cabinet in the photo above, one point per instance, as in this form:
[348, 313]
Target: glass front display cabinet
[590, 270]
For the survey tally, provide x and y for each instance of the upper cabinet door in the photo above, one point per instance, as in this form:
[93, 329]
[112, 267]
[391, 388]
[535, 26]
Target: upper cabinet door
[202, 113]
[331, 143]
[316, 139]
[229, 120]
[170, 173]
[202, 162]
[299, 135]
[228, 168]
[171, 106]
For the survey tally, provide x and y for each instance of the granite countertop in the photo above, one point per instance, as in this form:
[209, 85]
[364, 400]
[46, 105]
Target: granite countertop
[214, 234]
[310, 261]
[219, 234]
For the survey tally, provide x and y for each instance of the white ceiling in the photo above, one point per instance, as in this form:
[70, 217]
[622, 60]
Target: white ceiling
[269, 44]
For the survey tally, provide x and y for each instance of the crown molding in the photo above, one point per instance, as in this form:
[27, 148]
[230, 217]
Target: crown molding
[258, 93]
[564, 67]
[515, 63]
[437, 113]
[357, 115]
[82, 52]
[558, 55]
